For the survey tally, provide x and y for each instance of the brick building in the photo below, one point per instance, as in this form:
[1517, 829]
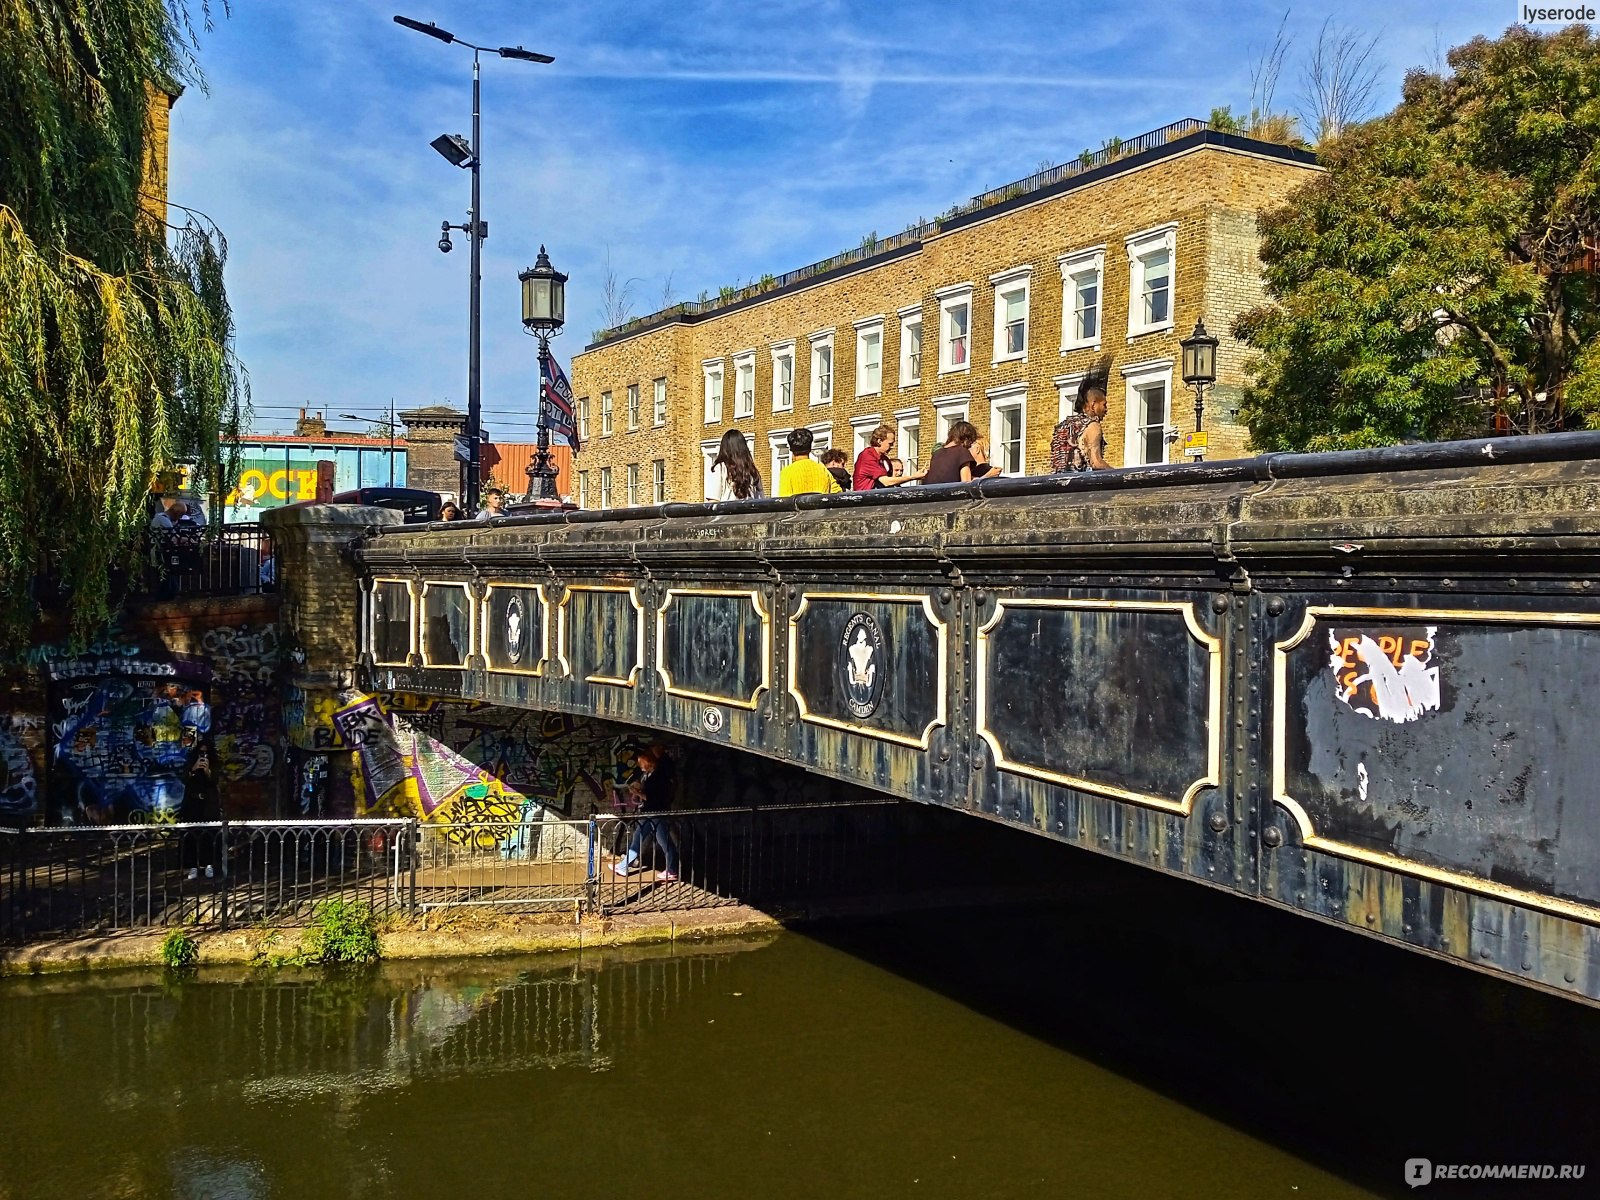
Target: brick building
[992, 314]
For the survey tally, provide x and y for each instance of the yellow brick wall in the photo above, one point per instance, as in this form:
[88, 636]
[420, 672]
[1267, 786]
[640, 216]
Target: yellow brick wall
[157, 131]
[1211, 193]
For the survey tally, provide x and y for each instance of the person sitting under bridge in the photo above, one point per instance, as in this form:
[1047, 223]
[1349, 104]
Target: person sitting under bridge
[654, 788]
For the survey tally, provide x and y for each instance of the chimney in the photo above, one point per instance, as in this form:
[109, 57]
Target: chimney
[313, 426]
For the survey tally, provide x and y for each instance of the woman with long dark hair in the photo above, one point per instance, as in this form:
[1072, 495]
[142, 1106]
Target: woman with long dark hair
[741, 480]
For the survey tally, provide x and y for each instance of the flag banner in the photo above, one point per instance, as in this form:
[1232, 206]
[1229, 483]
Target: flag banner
[555, 391]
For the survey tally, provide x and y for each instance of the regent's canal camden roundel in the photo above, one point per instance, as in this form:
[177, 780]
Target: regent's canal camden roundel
[862, 664]
[514, 630]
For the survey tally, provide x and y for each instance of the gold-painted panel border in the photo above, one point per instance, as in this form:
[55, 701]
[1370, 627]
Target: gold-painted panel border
[754, 596]
[941, 628]
[544, 627]
[419, 613]
[411, 630]
[1182, 805]
[1280, 740]
[631, 679]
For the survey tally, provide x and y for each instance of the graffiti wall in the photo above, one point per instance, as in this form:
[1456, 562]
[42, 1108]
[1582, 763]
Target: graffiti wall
[108, 733]
[451, 760]
[284, 471]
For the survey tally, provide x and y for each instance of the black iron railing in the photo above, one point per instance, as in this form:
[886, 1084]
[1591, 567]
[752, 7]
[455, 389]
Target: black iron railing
[69, 880]
[226, 560]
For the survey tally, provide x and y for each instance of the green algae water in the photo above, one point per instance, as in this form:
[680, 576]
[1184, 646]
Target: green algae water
[990, 1053]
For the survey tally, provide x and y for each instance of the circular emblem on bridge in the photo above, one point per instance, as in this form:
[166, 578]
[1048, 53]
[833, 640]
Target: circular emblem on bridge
[515, 626]
[861, 664]
[711, 718]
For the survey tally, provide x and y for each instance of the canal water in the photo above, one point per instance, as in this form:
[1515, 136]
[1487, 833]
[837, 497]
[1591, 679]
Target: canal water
[1147, 1039]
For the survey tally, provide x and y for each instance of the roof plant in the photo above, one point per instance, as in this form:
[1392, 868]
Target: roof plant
[116, 357]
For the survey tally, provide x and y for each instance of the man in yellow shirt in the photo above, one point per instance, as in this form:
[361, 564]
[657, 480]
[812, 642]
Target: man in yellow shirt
[804, 474]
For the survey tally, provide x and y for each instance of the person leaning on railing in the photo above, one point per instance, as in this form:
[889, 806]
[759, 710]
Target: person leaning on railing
[653, 790]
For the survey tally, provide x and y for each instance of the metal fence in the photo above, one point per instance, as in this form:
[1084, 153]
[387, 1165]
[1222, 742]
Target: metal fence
[85, 879]
[226, 560]
[82, 879]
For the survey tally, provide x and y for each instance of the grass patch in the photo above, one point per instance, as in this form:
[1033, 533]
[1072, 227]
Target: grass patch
[342, 933]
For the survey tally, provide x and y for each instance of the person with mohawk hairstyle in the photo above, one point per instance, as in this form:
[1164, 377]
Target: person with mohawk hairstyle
[1078, 442]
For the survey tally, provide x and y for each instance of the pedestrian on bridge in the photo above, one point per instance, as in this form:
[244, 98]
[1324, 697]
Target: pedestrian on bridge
[654, 787]
[876, 465]
[741, 478]
[804, 473]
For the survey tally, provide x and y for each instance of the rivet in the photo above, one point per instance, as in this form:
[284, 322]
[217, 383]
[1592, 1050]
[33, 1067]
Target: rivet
[1483, 954]
[1444, 943]
[1219, 604]
[1105, 841]
[1275, 606]
[1218, 822]
[1570, 977]
[1405, 929]
[1300, 897]
[1527, 966]
[944, 595]
[1371, 919]
[1513, 583]
[1272, 836]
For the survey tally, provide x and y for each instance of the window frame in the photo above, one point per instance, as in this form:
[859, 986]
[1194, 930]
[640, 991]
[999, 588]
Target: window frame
[583, 489]
[820, 342]
[778, 450]
[744, 399]
[1010, 398]
[606, 423]
[1135, 377]
[633, 407]
[867, 328]
[658, 481]
[905, 421]
[1067, 392]
[860, 430]
[712, 369]
[1091, 260]
[583, 418]
[782, 352]
[633, 484]
[1007, 283]
[910, 373]
[947, 410]
[658, 401]
[951, 298]
[708, 455]
[605, 487]
[1140, 246]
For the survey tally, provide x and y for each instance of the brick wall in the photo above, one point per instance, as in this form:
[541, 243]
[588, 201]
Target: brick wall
[1212, 193]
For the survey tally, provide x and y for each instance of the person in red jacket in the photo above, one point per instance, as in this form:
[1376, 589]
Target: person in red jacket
[876, 465]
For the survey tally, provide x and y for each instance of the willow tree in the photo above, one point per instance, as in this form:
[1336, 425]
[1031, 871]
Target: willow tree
[1445, 263]
[116, 358]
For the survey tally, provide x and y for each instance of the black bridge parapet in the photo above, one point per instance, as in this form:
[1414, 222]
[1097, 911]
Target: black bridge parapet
[1358, 685]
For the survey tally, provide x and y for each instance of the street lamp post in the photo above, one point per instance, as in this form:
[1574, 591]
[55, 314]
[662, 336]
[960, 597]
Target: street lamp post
[459, 152]
[1200, 372]
[544, 312]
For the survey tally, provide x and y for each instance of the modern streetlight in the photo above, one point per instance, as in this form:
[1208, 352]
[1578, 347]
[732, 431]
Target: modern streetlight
[1200, 372]
[544, 312]
[461, 153]
[389, 424]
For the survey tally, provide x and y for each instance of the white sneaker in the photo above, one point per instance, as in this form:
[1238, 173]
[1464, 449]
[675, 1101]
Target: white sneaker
[194, 873]
[208, 873]
[620, 869]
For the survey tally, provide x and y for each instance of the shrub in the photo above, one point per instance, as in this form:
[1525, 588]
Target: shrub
[342, 931]
[180, 950]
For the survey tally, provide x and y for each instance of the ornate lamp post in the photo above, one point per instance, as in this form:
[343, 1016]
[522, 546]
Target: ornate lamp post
[1199, 372]
[461, 153]
[544, 312]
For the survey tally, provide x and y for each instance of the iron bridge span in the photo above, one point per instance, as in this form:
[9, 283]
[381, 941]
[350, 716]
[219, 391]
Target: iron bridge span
[1360, 686]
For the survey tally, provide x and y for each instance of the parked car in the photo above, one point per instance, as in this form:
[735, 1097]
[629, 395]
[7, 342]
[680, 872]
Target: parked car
[417, 504]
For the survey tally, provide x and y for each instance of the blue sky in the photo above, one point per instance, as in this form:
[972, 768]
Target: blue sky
[701, 143]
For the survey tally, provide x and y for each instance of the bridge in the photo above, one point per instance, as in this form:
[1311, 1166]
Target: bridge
[1358, 686]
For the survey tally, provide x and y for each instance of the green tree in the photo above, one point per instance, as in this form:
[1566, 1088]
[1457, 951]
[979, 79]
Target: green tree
[116, 354]
[1447, 252]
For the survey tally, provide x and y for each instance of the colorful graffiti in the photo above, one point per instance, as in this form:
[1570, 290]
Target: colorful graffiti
[120, 746]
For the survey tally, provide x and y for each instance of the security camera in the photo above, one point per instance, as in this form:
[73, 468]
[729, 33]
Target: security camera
[444, 244]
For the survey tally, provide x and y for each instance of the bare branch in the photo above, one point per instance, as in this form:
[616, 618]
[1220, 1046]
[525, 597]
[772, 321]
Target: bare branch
[1339, 80]
[616, 295]
[1266, 68]
[667, 290]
